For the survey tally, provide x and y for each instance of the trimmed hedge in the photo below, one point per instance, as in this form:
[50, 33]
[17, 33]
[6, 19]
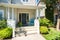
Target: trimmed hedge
[43, 30]
[6, 33]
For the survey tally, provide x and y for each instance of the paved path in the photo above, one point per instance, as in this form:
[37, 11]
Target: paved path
[30, 37]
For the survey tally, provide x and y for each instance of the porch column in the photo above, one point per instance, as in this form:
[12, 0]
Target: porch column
[37, 13]
[12, 13]
[42, 12]
[8, 16]
[36, 22]
[8, 13]
[13, 23]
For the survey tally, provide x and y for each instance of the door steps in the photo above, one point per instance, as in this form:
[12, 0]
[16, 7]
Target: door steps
[24, 31]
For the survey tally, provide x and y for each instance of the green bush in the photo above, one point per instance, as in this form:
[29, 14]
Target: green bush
[19, 24]
[43, 22]
[43, 30]
[53, 35]
[3, 24]
[6, 33]
[51, 24]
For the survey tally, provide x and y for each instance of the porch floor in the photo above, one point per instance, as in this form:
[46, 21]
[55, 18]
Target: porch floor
[30, 37]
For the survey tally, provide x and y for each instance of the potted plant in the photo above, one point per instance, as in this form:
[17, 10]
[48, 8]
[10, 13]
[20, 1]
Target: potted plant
[19, 24]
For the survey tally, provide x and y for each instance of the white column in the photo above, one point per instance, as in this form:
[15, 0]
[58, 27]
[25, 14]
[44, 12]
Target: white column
[13, 23]
[42, 12]
[12, 13]
[37, 13]
[13, 34]
[36, 21]
[8, 13]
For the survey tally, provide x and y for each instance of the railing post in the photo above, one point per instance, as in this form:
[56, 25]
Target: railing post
[36, 21]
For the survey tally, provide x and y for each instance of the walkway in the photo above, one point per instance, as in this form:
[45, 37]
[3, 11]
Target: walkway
[30, 37]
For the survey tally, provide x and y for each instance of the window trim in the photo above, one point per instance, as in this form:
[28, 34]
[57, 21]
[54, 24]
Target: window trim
[2, 13]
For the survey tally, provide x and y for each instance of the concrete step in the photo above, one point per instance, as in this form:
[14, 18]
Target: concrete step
[28, 30]
[31, 32]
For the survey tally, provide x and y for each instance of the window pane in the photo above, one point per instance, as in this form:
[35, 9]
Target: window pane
[23, 0]
[5, 1]
[0, 15]
[27, 17]
[26, 0]
[37, 1]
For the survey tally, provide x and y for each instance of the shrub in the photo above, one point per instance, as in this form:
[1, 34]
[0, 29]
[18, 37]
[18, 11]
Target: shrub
[53, 35]
[43, 22]
[19, 24]
[43, 30]
[6, 33]
[50, 24]
[3, 24]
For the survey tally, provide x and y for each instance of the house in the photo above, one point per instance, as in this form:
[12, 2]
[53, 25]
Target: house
[15, 11]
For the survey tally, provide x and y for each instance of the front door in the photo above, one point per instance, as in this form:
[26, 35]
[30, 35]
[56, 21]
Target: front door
[23, 18]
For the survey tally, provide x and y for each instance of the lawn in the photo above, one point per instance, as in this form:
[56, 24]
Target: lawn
[52, 35]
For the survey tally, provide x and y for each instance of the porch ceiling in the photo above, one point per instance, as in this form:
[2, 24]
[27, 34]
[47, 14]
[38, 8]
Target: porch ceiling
[20, 6]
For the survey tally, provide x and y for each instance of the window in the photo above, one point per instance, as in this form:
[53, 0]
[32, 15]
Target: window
[37, 1]
[1, 14]
[25, 0]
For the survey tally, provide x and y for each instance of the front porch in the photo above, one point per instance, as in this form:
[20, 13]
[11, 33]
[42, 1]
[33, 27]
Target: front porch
[24, 16]
[28, 15]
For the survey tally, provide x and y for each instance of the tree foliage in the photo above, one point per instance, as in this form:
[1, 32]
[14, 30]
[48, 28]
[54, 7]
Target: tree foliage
[50, 4]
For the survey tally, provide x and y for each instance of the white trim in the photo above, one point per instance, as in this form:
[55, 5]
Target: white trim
[2, 12]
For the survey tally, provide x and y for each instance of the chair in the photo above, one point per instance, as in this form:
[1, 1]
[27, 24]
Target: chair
[31, 22]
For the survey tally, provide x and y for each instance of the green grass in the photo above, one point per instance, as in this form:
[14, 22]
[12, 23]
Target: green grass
[52, 34]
